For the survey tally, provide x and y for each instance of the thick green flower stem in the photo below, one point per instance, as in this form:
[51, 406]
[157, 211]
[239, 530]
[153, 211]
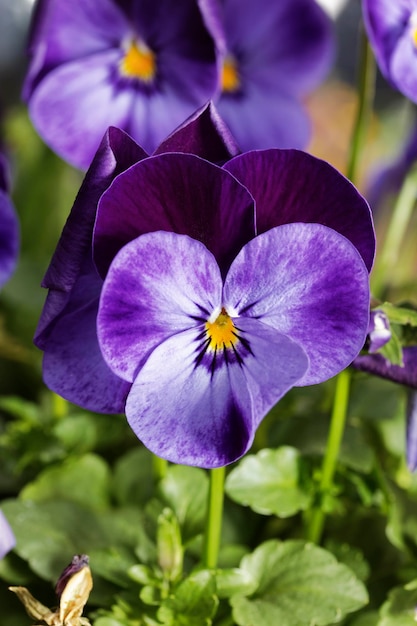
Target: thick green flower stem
[160, 467]
[400, 219]
[214, 518]
[366, 88]
[337, 426]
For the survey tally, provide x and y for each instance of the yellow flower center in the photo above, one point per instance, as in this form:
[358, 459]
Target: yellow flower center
[414, 37]
[139, 62]
[230, 79]
[221, 332]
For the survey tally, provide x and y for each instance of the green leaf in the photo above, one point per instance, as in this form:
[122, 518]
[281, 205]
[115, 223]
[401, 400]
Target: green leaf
[398, 314]
[133, 481]
[400, 608]
[49, 533]
[393, 350]
[234, 581]
[298, 584]
[185, 491]
[84, 480]
[271, 482]
[193, 603]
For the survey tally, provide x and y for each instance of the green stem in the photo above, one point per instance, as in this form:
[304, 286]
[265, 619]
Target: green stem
[366, 88]
[214, 517]
[59, 406]
[160, 467]
[337, 426]
[396, 231]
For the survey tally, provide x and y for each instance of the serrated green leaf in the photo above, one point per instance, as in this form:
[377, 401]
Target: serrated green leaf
[193, 603]
[298, 584]
[400, 608]
[271, 482]
[185, 491]
[68, 481]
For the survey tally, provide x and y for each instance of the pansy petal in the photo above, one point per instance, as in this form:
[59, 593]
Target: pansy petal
[265, 118]
[290, 41]
[179, 193]
[378, 365]
[72, 256]
[310, 284]
[185, 413]
[9, 238]
[158, 285]
[292, 186]
[192, 414]
[63, 23]
[65, 98]
[203, 134]
[402, 65]
[74, 368]
[385, 22]
[271, 367]
[7, 539]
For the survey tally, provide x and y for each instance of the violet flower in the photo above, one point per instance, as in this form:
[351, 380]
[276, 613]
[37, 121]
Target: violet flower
[411, 435]
[141, 65]
[392, 32]
[274, 53]
[7, 539]
[166, 301]
[9, 228]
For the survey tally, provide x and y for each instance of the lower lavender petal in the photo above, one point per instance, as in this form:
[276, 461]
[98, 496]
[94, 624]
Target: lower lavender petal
[185, 413]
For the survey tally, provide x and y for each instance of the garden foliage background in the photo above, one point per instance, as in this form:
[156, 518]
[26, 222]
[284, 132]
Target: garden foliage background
[74, 482]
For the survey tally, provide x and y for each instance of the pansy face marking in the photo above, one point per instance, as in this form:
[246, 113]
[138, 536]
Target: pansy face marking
[230, 79]
[221, 341]
[139, 62]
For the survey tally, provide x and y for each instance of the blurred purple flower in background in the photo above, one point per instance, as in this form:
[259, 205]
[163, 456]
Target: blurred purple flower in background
[145, 66]
[392, 31]
[141, 65]
[273, 53]
[7, 539]
[9, 228]
[302, 289]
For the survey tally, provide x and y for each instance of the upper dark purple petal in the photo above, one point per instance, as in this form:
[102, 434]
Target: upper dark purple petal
[293, 186]
[115, 154]
[179, 193]
[203, 134]
[378, 365]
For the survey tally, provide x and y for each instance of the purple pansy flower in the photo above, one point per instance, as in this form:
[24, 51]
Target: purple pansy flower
[392, 31]
[7, 539]
[141, 65]
[194, 295]
[273, 54]
[9, 228]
